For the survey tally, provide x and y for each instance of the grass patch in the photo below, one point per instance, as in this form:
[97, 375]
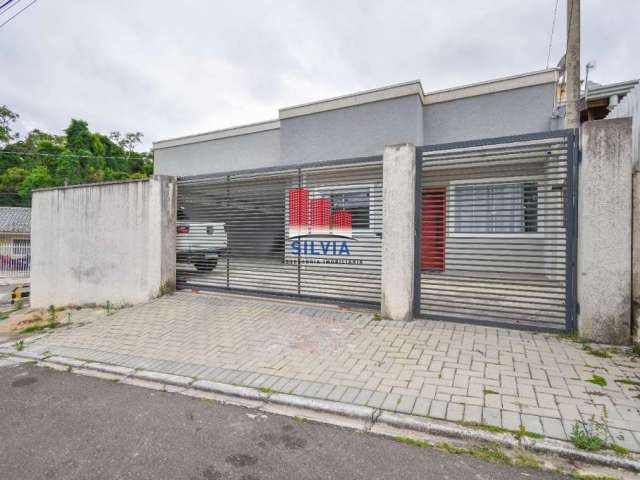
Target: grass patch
[39, 328]
[588, 476]
[377, 317]
[489, 453]
[596, 352]
[522, 432]
[266, 390]
[635, 350]
[488, 391]
[619, 449]
[523, 458]
[598, 380]
[595, 367]
[587, 438]
[628, 381]
[414, 442]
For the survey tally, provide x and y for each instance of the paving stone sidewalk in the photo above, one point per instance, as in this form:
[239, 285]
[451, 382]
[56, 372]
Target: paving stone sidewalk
[442, 370]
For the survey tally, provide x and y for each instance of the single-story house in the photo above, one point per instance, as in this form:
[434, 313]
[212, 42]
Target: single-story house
[15, 240]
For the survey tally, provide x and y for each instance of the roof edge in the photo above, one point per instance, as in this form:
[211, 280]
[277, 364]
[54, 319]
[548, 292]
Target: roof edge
[218, 134]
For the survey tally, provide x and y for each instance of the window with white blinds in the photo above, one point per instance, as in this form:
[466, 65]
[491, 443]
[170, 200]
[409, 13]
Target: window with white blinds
[495, 208]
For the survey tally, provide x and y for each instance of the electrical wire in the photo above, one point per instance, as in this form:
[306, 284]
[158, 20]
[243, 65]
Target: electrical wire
[17, 13]
[7, 3]
[26, 152]
[553, 27]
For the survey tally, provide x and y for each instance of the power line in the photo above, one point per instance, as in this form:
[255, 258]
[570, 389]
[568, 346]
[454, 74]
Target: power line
[553, 27]
[70, 154]
[10, 6]
[17, 13]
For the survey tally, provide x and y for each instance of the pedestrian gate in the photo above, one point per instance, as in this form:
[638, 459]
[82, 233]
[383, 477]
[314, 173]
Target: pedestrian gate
[496, 227]
[309, 231]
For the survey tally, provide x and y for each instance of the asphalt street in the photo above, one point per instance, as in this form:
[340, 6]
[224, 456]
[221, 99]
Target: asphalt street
[58, 425]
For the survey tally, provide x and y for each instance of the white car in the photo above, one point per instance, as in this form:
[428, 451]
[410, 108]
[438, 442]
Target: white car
[200, 243]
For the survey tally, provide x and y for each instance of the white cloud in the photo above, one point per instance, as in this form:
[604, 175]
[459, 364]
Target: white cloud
[173, 68]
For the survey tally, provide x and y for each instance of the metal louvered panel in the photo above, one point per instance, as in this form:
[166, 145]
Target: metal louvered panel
[310, 231]
[496, 230]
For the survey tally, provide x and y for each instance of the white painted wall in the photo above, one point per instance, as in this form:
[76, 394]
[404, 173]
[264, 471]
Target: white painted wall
[110, 242]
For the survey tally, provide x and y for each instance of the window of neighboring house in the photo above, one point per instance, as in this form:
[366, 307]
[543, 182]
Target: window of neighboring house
[355, 202]
[496, 208]
[21, 246]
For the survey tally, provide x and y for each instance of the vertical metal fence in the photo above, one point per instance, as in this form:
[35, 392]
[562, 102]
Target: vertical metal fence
[15, 258]
[310, 231]
[496, 231]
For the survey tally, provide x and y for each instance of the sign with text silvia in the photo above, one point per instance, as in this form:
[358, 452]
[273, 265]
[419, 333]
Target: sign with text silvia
[318, 234]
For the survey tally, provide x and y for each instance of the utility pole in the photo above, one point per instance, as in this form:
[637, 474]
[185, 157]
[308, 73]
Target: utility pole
[572, 64]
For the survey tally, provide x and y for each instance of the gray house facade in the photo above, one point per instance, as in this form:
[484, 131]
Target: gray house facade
[361, 124]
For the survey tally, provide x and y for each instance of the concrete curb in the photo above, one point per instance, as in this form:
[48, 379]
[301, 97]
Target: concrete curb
[325, 406]
[375, 416]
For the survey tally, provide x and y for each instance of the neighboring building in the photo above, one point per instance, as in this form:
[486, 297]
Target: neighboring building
[15, 224]
[598, 100]
[15, 243]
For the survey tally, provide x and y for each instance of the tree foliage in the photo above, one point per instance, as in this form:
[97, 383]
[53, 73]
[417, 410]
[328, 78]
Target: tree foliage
[78, 156]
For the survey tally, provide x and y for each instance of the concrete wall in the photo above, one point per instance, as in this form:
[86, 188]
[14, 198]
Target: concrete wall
[252, 150]
[511, 112]
[605, 231]
[398, 228]
[350, 132]
[110, 242]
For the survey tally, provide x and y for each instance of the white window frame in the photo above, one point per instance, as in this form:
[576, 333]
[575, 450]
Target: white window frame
[451, 204]
[370, 187]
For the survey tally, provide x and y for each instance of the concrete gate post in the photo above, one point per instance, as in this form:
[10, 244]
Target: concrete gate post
[398, 231]
[605, 231]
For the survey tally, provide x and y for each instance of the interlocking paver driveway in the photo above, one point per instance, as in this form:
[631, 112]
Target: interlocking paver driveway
[443, 370]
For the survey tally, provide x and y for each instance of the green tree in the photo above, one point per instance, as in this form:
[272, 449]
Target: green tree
[7, 117]
[78, 136]
[39, 177]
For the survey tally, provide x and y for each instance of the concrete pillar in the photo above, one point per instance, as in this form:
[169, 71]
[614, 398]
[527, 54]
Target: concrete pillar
[635, 279]
[604, 231]
[398, 231]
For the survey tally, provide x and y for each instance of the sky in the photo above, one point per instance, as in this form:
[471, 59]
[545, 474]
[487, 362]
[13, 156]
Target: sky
[169, 68]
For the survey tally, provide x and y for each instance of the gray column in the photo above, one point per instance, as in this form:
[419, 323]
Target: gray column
[604, 231]
[398, 231]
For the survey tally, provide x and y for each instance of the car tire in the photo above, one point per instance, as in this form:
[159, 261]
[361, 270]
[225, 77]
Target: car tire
[206, 265]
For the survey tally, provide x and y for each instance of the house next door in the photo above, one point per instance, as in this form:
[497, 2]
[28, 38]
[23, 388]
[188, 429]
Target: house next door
[434, 216]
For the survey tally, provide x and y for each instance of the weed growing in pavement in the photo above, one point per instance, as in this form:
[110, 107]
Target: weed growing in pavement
[598, 380]
[490, 453]
[20, 345]
[521, 432]
[587, 476]
[590, 436]
[298, 418]
[635, 350]
[413, 442]
[266, 390]
[628, 381]
[619, 449]
[488, 391]
[377, 317]
[52, 319]
[524, 458]
[108, 307]
[595, 352]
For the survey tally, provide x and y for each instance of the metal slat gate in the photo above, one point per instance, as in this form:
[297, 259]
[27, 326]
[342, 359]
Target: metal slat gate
[311, 231]
[496, 231]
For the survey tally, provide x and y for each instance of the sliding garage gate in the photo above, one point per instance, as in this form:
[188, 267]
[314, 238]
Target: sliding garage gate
[496, 231]
[311, 231]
